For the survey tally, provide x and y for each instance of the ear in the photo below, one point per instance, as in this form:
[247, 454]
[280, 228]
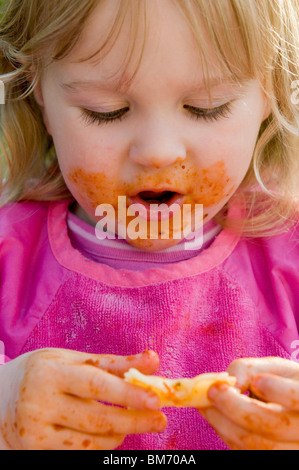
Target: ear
[267, 106]
[39, 98]
[38, 95]
[268, 110]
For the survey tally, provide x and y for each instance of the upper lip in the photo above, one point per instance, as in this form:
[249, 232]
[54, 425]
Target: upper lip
[156, 190]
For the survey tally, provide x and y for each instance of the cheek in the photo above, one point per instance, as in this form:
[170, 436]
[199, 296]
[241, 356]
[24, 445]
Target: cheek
[83, 146]
[90, 170]
[234, 146]
[94, 188]
[212, 184]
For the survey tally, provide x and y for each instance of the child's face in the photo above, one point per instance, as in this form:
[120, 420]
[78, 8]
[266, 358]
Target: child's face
[162, 133]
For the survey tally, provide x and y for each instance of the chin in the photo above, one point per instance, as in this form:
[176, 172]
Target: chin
[153, 245]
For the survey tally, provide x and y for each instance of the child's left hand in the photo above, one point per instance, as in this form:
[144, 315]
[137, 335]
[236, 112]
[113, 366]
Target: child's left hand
[270, 421]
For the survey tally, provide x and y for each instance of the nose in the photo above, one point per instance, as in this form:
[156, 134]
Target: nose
[157, 145]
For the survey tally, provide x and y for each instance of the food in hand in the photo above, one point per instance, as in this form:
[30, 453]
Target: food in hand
[184, 392]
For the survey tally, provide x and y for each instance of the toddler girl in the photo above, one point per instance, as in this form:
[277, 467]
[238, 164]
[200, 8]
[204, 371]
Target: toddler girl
[174, 103]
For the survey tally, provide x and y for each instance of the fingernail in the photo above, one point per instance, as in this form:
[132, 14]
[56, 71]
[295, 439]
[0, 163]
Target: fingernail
[257, 380]
[153, 402]
[212, 392]
[216, 388]
[257, 384]
[160, 424]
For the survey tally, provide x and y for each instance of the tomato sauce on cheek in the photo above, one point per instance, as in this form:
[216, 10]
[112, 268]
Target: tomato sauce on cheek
[211, 185]
[207, 186]
[95, 188]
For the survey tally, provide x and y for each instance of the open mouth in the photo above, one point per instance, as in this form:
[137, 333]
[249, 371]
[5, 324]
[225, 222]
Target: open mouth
[152, 197]
[158, 202]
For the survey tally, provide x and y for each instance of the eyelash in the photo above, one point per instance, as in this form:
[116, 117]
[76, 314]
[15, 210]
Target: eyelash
[210, 115]
[92, 117]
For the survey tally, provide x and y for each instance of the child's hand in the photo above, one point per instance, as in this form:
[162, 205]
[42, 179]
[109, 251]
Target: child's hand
[251, 424]
[49, 400]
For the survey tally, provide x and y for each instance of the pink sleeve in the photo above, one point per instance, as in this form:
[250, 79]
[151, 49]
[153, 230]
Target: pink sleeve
[268, 269]
[25, 259]
[4, 359]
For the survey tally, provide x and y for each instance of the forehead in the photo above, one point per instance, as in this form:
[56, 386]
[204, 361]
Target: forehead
[120, 41]
[126, 43]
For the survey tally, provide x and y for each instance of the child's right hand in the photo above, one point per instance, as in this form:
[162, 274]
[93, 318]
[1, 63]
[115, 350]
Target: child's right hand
[49, 399]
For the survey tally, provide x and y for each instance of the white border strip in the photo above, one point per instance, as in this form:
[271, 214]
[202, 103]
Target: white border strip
[2, 353]
[2, 92]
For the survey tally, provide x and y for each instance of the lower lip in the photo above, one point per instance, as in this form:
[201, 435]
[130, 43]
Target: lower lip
[155, 211]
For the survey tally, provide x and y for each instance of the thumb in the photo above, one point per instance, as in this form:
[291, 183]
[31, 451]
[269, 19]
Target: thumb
[246, 369]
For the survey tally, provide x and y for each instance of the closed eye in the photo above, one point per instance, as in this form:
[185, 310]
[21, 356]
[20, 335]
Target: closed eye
[209, 114]
[92, 117]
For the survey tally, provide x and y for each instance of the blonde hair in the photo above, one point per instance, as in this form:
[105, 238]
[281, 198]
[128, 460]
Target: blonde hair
[33, 32]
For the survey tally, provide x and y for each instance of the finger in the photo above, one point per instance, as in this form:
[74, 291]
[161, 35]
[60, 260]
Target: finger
[246, 369]
[59, 438]
[146, 362]
[267, 419]
[86, 381]
[238, 438]
[97, 418]
[272, 388]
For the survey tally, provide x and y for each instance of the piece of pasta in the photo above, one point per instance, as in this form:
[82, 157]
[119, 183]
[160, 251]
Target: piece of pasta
[184, 392]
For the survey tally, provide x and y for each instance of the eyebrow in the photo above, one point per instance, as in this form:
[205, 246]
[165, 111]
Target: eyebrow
[79, 85]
